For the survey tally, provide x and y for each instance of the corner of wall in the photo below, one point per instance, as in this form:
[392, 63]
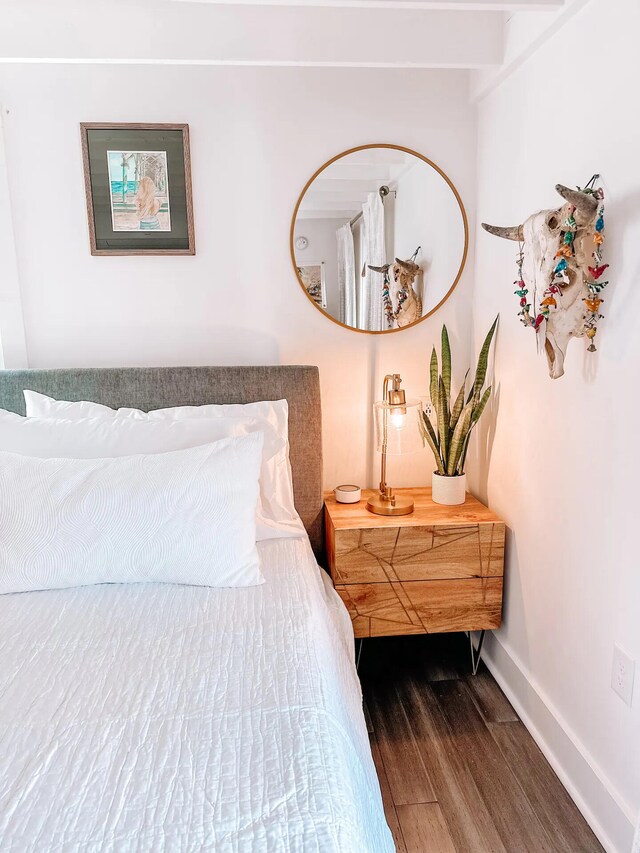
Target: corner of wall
[13, 348]
[586, 782]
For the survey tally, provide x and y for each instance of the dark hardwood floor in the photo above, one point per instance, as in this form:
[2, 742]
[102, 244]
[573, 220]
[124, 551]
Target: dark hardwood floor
[459, 772]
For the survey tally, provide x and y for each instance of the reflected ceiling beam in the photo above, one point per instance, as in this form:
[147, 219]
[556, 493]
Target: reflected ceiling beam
[168, 32]
[320, 185]
[321, 199]
[342, 215]
[342, 171]
[344, 205]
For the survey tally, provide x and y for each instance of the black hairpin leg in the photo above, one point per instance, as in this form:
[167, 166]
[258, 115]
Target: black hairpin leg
[358, 652]
[475, 653]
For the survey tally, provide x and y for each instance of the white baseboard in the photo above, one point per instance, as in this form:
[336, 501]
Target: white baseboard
[603, 808]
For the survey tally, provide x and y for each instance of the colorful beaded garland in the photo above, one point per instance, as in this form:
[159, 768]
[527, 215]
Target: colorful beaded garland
[403, 295]
[559, 276]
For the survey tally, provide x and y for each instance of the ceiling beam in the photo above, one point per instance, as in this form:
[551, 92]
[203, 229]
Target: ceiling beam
[434, 5]
[170, 32]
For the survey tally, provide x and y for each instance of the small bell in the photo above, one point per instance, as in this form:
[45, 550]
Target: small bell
[591, 333]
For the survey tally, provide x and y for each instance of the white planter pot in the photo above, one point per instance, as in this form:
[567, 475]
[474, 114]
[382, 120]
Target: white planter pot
[449, 491]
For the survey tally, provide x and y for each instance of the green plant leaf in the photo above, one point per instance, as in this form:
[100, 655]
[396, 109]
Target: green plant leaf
[457, 442]
[443, 421]
[446, 363]
[433, 379]
[459, 403]
[483, 361]
[463, 456]
[479, 409]
[430, 436]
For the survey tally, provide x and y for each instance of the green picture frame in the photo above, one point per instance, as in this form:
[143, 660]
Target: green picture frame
[138, 188]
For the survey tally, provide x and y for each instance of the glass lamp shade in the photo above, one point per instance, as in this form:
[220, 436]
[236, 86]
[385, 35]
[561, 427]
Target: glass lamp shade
[398, 427]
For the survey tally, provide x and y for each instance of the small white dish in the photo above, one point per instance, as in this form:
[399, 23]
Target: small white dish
[347, 494]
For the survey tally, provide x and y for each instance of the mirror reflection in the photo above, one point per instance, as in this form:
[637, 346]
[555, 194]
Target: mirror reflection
[379, 238]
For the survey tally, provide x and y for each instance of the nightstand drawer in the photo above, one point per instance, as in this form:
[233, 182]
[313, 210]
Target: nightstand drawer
[437, 569]
[418, 607]
[376, 555]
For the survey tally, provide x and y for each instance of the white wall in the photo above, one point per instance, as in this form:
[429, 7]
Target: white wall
[323, 247]
[427, 214]
[561, 467]
[564, 465]
[237, 301]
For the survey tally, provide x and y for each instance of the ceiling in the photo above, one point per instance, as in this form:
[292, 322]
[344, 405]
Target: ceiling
[342, 188]
[456, 34]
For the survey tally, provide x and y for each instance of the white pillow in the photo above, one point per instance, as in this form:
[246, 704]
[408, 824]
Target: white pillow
[181, 517]
[277, 485]
[92, 438]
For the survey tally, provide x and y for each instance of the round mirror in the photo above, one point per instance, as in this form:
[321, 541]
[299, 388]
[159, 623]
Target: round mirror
[379, 238]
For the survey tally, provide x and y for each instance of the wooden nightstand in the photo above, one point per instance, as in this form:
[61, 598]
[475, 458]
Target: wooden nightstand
[439, 569]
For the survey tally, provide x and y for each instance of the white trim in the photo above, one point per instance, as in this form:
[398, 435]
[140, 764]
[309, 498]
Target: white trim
[250, 63]
[603, 807]
[435, 5]
[13, 346]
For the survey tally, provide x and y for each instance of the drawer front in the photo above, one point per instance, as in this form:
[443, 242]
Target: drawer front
[419, 607]
[386, 554]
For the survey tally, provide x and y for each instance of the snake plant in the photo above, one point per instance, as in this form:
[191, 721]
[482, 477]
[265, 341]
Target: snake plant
[448, 436]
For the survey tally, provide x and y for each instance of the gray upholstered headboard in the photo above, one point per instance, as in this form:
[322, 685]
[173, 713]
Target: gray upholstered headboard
[159, 387]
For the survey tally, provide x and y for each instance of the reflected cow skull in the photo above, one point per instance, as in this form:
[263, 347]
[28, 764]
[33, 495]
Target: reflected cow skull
[404, 275]
[542, 235]
[409, 305]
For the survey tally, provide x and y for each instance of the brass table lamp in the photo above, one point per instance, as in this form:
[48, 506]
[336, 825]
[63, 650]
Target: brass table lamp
[397, 432]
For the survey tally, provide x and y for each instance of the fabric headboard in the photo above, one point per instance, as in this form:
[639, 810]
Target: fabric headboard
[149, 388]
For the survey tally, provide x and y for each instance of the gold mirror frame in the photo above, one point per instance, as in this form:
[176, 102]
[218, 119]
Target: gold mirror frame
[465, 224]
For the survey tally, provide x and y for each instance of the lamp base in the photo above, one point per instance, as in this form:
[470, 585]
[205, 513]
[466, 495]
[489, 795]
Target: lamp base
[382, 506]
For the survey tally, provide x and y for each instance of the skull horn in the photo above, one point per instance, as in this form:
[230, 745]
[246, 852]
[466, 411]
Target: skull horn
[584, 202]
[515, 232]
[408, 266]
[383, 269]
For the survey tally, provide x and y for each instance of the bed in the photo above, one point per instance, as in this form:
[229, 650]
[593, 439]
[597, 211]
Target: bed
[145, 717]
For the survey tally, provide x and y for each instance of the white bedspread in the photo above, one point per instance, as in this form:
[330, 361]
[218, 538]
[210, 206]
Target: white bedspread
[149, 717]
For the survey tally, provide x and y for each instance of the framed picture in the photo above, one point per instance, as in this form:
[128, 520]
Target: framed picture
[138, 185]
[312, 276]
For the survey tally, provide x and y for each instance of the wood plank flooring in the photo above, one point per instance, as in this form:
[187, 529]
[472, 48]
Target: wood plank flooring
[458, 771]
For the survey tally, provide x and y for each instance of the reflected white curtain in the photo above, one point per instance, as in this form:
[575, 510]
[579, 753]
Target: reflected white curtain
[371, 313]
[346, 275]
[361, 273]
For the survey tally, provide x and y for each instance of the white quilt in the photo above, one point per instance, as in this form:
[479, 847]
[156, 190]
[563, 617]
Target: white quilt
[151, 717]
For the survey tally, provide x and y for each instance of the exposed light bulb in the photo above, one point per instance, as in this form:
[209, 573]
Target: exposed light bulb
[397, 419]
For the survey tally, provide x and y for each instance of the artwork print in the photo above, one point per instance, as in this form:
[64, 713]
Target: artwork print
[137, 181]
[312, 276]
[139, 190]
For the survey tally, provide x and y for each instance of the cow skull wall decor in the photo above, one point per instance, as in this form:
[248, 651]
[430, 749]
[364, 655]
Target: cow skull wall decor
[560, 265]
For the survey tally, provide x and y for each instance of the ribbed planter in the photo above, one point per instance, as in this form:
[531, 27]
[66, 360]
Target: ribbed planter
[449, 491]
